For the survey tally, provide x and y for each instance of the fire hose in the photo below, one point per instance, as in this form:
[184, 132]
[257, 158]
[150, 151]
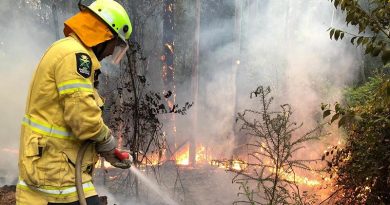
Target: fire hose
[79, 160]
[79, 180]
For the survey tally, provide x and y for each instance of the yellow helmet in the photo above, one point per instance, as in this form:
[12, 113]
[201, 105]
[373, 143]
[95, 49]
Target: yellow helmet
[114, 15]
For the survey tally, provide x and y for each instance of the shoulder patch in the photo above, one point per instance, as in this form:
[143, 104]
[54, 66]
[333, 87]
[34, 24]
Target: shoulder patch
[84, 64]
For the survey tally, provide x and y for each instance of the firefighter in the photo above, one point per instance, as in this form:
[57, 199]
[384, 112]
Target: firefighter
[63, 111]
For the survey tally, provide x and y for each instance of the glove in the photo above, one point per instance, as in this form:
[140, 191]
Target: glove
[118, 159]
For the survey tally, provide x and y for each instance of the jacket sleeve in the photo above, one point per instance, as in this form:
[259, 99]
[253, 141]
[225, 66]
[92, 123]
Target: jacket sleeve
[76, 94]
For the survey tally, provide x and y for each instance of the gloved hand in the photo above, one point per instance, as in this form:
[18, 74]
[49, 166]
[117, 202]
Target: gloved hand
[118, 159]
[107, 149]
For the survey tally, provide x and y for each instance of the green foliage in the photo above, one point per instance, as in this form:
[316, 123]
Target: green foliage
[362, 94]
[373, 20]
[362, 167]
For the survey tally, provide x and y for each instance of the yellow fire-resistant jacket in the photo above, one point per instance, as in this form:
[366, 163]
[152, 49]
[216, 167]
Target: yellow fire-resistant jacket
[62, 111]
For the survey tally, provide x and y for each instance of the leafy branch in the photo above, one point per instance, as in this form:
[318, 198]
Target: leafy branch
[374, 19]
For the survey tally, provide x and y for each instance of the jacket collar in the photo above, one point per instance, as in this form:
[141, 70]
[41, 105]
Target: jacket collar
[95, 62]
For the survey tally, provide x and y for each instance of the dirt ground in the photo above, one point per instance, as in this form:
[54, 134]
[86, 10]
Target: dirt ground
[7, 195]
[197, 186]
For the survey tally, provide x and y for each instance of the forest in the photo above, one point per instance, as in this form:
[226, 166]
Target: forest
[226, 101]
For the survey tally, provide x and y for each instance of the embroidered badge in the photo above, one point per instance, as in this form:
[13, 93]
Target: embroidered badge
[84, 64]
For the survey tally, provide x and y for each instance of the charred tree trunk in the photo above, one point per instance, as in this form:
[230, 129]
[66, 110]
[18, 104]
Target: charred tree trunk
[168, 44]
[168, 70]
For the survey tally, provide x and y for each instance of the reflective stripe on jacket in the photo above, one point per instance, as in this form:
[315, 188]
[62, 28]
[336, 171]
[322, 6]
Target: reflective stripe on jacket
[62, 111]
[46, 129]
[57, 192]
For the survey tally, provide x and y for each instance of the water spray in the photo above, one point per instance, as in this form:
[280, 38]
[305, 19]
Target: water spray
[153, 186]
[122, 156]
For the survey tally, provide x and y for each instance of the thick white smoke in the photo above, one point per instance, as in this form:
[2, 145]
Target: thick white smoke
[283, 44]
[22, 42]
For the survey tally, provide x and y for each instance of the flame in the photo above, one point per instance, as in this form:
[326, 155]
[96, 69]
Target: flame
[202, 155]
[182, 156]
[154, 158]
[233, 164]
[240, 165]
[169, 46]
[294, 177]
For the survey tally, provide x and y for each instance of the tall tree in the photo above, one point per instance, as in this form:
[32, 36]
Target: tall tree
[168, 69]
[195, 83]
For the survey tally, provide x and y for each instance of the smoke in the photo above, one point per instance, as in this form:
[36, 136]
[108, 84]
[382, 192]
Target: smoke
[22, 42]
[282, 44]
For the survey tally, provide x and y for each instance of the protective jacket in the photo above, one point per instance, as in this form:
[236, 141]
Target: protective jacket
[62, 111]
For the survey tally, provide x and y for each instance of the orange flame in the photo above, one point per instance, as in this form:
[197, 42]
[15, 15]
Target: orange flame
[154, 158]
[202, 155]
[294, 177]
[182, 156]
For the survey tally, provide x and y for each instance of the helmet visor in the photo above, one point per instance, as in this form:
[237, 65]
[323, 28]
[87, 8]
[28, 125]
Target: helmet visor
[119, 52]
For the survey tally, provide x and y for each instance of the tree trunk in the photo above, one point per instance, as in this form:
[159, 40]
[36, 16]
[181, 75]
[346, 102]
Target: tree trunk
[168, 67]
[236, 55]
[195, 84]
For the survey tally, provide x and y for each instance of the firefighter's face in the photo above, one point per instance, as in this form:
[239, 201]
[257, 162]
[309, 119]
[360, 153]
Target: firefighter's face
[109, 49]
[116, 48]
